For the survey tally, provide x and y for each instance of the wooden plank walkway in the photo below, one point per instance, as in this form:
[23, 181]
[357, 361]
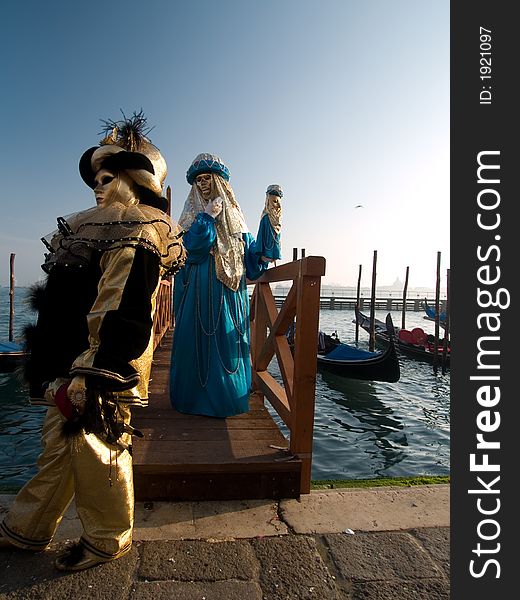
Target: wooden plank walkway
[187, 457]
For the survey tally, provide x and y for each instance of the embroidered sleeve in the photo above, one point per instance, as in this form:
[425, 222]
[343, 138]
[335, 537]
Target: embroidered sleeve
[120, 320]
[255, 266]
[200, 237]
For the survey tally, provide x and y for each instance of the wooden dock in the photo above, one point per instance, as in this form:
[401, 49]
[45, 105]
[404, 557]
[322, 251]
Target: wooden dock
[186, 457]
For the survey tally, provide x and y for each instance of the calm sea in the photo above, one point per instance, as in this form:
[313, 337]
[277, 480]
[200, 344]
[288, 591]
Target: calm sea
[362, 429]
[365, 429]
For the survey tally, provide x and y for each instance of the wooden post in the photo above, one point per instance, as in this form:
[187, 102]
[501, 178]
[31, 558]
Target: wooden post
[437, 313]
[169, 198]
[446, 324]
[303, 252]
[405, 289]
[11, 298]
[295, 253]
[357, 302]
[302, 403]
[259, 331]
[372, 341]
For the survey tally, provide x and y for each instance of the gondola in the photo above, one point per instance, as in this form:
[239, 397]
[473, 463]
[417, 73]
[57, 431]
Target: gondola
[430, 314]
[415, 343]
[355, 363]
[12, 355]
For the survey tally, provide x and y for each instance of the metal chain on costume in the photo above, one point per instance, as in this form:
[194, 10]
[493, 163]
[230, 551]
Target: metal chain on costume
[228, 371]
[243, 305]
[239, 358]
[210, 304]
[213, 325]
[185, 287]
[197, 350]
[203, 384]
[107, 229]
[197, 332]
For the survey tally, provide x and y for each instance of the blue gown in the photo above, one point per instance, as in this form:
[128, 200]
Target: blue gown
[267, 241]
[210, 367]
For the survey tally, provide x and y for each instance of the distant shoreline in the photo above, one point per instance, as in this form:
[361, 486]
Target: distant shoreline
[327, 291]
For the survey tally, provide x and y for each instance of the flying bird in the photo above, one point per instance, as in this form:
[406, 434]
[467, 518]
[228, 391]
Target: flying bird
[358, 206]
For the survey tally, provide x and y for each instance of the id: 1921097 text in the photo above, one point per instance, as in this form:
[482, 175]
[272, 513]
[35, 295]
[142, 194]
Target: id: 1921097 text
[485, 65]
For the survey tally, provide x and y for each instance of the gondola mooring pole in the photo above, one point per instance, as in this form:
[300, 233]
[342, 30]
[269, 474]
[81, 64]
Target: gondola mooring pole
[446, 341]
[358, 307]
[405, 289]
[437, 313]
[372, 341]
[11, 298]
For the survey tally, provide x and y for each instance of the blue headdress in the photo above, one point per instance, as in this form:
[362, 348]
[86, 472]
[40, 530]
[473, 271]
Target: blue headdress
[207, 163]
[274, 190]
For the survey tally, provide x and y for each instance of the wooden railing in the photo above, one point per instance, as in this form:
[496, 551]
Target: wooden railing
[163, 318]
[294, 401]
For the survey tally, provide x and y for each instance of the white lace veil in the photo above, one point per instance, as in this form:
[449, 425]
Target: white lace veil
[230, 224]
[273, 210]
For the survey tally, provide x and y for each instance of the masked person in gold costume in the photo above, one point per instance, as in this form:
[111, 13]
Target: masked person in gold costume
[91, 349]
[211, 369]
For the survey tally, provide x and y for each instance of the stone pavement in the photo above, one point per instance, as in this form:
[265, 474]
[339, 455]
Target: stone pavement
[373, 544]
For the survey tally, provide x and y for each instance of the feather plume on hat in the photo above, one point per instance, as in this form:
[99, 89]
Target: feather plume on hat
[125, 147]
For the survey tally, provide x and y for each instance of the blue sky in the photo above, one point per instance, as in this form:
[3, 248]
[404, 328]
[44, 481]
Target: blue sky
[342, 102]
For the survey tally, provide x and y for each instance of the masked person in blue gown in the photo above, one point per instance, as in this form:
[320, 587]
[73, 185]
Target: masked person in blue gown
[210, 367]
[268, 238]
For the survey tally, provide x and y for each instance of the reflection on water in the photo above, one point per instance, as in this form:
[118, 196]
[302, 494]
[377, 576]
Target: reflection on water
[360, 400]
[20, 423]
[365, 419]
[369, 429]
[20, 426]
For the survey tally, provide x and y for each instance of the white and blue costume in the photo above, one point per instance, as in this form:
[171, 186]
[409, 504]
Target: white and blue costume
[210, 367]
[268, 238]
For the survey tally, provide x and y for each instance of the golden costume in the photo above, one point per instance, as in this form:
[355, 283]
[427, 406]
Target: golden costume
[91, 349]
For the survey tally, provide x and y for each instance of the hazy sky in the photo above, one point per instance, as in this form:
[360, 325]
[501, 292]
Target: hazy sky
[341, 102]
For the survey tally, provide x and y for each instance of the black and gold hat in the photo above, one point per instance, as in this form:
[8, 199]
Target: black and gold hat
[125, 147]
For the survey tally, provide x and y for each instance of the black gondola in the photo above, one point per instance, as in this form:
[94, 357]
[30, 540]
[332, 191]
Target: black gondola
[415, 343]
[12, 356]
[355, 363]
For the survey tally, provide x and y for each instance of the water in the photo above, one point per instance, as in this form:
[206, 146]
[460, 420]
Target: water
[365, 429]
[362, 429]
[20, 424]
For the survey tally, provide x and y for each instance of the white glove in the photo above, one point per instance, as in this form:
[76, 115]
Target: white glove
[214, 207]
